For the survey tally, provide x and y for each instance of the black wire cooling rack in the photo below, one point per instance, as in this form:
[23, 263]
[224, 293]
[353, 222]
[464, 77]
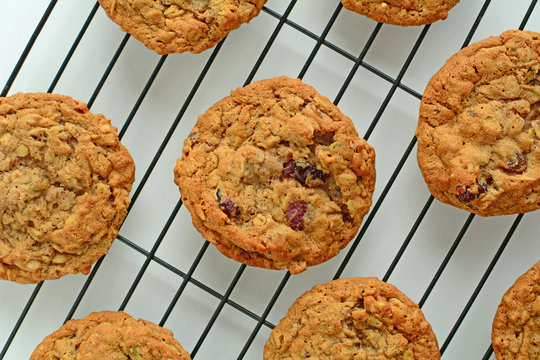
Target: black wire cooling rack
[259, 325]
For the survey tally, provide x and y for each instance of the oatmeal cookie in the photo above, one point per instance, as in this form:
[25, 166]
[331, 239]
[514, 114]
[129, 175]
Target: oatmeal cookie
[402, 12]
[172, 26]
[64, 185]
[110, 335]
[358, 318]
[479, 127]
[516, 327]
[276, 176]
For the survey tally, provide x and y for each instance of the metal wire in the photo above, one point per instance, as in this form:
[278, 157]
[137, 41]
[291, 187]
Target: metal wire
[28, 47]
[188, 277]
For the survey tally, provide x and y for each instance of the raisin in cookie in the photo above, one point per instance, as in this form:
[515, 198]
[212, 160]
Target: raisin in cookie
[479, 127]
[64, 185]
[171, 26]
[516, 327]
[402, 12]
[358, 318]
[110, 335]
[276, 176]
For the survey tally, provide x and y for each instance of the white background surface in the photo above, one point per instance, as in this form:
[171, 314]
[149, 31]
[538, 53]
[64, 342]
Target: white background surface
[327, 73]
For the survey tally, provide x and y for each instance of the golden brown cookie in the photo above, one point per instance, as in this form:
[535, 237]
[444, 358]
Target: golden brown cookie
[110, 335]
[171, 26]
[64, 185]
[479, 127]
[358, 318]
[276, 176]
[402, 12]
[516, 327]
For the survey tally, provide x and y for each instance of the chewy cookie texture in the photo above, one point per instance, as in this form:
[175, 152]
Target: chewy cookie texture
[479, 127]
[516, 327]
[172, 26]
[402, 12]
[276, 176]
[64, 185]
[110, 335]
[358, 318]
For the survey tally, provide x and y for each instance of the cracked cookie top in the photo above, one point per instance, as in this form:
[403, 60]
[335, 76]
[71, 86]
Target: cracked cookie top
[402, 12]
[64, 185]
[276, 176]
[516, 326]
[171, 26]
[479, 127]
[112, 335]
[358, 318]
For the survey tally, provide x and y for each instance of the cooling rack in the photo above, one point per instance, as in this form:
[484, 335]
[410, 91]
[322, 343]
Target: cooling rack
[454, 264]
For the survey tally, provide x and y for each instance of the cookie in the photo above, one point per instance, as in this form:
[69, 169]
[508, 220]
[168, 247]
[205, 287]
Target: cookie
[64, 185]
[402, 12]
[479, 127]
[276, 176]
[516, 327]
[110, 335]
[358, 318]
[173, 26]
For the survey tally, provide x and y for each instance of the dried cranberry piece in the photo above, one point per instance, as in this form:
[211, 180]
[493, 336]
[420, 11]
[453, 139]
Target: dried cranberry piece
[466, 197]
[289, 168]
[303, 172]
[469, 193]
[295, 214]
[228, 207]
[482, 188]
[519, 164]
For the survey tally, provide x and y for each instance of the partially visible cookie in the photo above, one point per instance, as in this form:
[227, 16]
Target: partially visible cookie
[173, 26]
[276, 176]
[64, 186]
[479, 127]
[402, 12]
[358, 318]
[111, 335]
[516, 327]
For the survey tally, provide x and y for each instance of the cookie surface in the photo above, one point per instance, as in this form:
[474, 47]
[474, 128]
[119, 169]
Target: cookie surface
[358, 318]
[276, 176]
[64, 185]
[110, 335]
[479, 127]
[402, 12]
[516, 326]
[171, 26]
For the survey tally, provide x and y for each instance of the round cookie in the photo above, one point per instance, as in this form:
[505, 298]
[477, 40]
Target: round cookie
[110, 335]
[516, 326]
[402, 12]
[358, 318]
[479, 127]
[173, 26]
[64, 185]
[276, 176]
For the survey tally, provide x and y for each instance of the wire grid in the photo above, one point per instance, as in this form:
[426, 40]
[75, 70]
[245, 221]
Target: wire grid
[224, 298]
